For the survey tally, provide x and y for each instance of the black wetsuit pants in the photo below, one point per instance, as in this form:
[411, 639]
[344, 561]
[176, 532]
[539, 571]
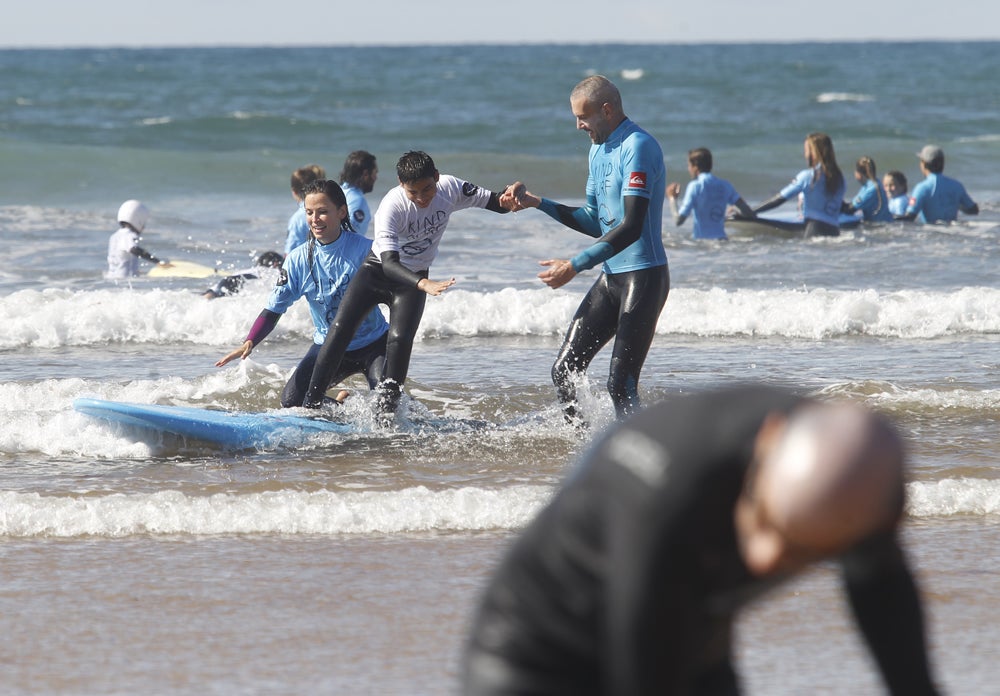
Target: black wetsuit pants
[368, 361]
[368, 288]
[623, 306]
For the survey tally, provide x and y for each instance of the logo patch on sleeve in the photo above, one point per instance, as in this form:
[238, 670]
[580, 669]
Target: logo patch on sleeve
[469, 189]
[359, 215]
[282, 278]
[637, 180]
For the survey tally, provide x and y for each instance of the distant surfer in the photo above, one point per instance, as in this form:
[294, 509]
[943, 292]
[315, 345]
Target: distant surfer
[631, 579]
[822, 187]
[124, 251]
[623, 210]
[358, 178]
[707, 196]
[320, 271]
[408, 226]
[871, 201]
[938, 198]
[234, 282]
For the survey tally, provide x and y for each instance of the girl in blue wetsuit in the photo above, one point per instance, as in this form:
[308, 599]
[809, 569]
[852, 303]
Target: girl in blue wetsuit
[822, 186]
[320, 270]
[871, 199]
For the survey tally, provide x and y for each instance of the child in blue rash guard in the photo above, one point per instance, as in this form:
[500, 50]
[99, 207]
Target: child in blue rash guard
[409, 224]
[357, 178]
[871, 200]
[707, 196]
[320, 271]
[895, 185]
[822, 184]
[298, 226]
[624, 209]
[937, 198]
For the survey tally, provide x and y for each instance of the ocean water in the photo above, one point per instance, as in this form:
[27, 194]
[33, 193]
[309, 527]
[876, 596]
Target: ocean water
[350, 564]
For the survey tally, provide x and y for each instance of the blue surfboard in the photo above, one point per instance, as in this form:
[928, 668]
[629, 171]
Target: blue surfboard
[226, 428]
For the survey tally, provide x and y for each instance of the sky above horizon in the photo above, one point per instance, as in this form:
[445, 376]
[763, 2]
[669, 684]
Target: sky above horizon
[71, 23]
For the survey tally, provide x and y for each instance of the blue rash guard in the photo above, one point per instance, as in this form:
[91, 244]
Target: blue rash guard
[323, 281]
[360, 213]
[708, 197]
[298, 229]
[938, 198]
[817, 204]
[628, 163]
[897, 205]
[872, 202]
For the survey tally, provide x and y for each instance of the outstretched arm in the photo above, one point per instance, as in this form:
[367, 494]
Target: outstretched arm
[265, 323]
[769, 205]
[561, 271]
[396, 271]
[582, 219]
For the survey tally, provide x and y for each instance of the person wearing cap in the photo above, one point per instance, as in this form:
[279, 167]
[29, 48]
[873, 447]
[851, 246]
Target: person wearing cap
[124, 251]
[630, 579]
[937, 198]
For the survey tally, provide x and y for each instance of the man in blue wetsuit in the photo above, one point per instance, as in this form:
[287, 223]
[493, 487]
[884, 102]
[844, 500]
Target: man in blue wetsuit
[630, 580]
[937, 198]
[624, 208]
[358, 178]
[707, 196]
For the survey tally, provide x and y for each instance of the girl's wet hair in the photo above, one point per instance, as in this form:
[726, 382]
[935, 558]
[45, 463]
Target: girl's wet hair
[330, 188]
[865, 166]
[822, 149]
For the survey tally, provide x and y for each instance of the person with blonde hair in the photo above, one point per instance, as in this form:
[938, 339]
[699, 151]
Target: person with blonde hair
[871, 200]
[822, 185]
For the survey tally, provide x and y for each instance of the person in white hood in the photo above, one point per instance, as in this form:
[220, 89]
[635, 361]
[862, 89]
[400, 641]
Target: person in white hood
[124, 251]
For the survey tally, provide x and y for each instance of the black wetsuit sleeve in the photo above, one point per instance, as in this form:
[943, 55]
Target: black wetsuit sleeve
[886, 606]
[494, 204]
[769, 205]
[396, 271]
[143, 254]
[629, 231]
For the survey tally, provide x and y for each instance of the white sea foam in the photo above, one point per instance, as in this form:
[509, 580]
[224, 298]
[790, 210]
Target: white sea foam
[274, 512]
[827, 97]
[417, 509]
[55, 318]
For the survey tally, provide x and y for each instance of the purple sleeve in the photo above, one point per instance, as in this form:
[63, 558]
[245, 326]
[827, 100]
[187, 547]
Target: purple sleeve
[265, 323]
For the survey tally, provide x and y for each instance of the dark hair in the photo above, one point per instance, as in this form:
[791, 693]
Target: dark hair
[936, 165]
[822, 149]
[357, 164]
[331, 189]
[306, 175]
[414, 166]
[701, 157]
[270, 259]
[899, 178]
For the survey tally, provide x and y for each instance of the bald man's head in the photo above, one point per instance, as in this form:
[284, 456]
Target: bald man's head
[826, 477]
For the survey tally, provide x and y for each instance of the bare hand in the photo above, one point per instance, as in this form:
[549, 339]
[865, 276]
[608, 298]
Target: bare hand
[434, 287]
[522, 197]
[673, 190]
[243, 352]
[558, 273]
